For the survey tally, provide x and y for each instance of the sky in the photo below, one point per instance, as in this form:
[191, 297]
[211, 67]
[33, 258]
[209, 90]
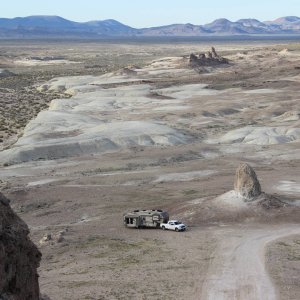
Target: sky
[142, 13]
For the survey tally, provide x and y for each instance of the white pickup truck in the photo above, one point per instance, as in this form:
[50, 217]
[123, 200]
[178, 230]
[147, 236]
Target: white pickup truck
[173, 225]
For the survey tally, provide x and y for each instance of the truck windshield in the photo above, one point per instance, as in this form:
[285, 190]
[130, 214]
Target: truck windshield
[177, 223]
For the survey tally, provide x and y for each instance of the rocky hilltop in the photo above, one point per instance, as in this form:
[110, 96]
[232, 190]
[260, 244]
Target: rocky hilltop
[19, 257]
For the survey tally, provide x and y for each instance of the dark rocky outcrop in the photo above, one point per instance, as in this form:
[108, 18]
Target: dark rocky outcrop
[246, 183]
[6, 73]
[19, 257]
[211, 58]
[214, 53]
[270, 201]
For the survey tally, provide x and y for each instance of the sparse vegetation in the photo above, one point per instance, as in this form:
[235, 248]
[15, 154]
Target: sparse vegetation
[19, 103]
[284, 265]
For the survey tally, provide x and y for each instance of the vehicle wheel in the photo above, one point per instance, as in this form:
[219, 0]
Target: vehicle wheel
[176, 229]
[163, 227]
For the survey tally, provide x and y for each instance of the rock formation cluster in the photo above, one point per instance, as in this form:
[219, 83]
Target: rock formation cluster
[211, 58]
[246, 183]
[19, 257]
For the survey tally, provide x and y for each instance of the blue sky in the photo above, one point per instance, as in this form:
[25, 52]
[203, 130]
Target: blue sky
[141, 13]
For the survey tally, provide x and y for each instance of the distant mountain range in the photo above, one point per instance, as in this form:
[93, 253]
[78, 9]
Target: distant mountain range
[54, 26]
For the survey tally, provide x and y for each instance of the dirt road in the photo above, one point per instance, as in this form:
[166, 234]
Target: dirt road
[237, 270]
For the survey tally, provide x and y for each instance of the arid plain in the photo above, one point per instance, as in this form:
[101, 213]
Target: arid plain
[117, 126]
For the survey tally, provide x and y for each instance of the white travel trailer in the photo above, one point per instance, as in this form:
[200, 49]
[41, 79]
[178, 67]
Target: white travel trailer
[145, 218]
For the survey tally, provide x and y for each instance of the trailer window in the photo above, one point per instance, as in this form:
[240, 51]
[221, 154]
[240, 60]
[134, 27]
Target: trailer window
[129, 220]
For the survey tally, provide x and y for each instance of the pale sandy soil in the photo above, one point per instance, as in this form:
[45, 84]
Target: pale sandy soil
[284, 266]
[239, 271]
[164, 136]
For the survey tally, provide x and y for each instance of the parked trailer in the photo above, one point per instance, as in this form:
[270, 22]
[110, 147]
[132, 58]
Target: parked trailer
[145, 218]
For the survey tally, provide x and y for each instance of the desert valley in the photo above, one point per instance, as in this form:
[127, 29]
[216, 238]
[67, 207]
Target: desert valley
[91, 130]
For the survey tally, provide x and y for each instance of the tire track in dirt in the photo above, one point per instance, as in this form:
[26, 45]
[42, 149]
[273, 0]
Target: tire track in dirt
[238, 271]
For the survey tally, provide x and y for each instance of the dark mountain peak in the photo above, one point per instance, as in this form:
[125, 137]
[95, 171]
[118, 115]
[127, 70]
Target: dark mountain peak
[221, 21]
[224, 26]
[108, 22]
[289, 19]
[189, 24]
[187, 29]
[109, 27]
[248, 19]
[37, 21]
[113, 22]
[44, 17]
[251, 22]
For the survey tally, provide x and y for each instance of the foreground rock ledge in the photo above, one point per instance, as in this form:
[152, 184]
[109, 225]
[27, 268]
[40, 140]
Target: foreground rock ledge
[19, 257]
